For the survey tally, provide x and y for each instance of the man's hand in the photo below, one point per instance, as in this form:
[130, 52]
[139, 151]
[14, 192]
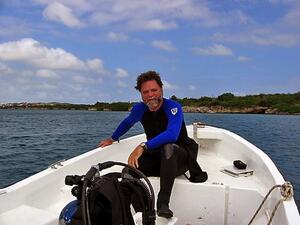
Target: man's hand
[134, 156]
[106, 142]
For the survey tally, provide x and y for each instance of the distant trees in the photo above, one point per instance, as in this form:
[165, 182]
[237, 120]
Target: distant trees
[286, 103]
[289, 103]
[115, 106]
[226, 97]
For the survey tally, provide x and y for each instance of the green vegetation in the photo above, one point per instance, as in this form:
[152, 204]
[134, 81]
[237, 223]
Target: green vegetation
[115, 106]
[275, 103]
[285, 103]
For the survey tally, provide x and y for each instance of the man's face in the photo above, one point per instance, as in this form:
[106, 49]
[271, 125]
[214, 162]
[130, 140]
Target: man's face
[152, 94]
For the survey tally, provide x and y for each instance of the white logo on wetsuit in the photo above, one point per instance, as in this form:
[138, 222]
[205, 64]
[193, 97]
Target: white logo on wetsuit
[174, 111]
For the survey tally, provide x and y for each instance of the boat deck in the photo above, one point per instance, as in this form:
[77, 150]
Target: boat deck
[221, 194]
[221, 200]
[213, 164]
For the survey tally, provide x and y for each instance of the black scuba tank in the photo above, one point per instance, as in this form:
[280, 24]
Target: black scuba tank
[106, 200]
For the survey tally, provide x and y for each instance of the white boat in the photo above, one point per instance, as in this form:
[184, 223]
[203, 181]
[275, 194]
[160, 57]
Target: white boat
[228, 197]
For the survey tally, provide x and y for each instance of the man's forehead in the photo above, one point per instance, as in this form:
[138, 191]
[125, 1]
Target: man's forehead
[150, 84]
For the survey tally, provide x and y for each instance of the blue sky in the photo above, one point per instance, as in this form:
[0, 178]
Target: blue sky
[84, 51]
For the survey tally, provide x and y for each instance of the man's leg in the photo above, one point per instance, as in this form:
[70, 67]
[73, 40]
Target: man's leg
[149, 163]
[173, 163]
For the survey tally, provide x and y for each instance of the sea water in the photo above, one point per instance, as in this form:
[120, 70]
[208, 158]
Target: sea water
[30, 140]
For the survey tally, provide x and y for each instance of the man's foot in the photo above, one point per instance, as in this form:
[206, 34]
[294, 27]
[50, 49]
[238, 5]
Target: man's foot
[164, 211]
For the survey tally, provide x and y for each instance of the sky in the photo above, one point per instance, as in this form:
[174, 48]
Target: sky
[84, 51]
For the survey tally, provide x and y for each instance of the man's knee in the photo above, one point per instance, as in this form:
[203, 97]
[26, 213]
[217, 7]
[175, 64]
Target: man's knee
[169, 150]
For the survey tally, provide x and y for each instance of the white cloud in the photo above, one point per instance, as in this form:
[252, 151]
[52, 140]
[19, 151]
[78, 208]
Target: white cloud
[13, 27]
[4, 69]
[153, 24]
[139, 14]
[31, 85]
[164, 45]
[41, 95]
[121, 84]
[96, 65]
[284, 40]
[293, 17]
[168, 86]
[33, 52]
[283, 1]
[261, 37]
[99, 80]
[234, 18]
[191, 87]
[39, 69]
[81, 5]
[243, 58]
[48, 74]
[45, 86]
[30, 51]
[80, 79]
[60, 13]
[116, 37]
[147, 15]
[121, 73]
[26, 73]
[103, 18]
[239, 17]
[216, 50]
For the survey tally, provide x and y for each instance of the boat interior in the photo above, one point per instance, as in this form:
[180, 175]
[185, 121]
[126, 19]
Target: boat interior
[228, 197]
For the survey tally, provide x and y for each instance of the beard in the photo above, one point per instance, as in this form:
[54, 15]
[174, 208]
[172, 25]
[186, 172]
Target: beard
[154, 102]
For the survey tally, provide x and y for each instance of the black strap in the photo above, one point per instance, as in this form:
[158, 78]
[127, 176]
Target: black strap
[122, 202]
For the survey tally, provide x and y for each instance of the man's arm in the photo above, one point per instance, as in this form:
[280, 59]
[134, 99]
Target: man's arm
[135, 155]
[106, 142]
[134, 116]
[123, 127]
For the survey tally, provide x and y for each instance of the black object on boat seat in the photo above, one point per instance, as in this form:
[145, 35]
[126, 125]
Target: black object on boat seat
[239, 164]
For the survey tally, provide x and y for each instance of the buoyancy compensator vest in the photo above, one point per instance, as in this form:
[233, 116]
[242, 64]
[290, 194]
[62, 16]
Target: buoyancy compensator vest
[106, 199]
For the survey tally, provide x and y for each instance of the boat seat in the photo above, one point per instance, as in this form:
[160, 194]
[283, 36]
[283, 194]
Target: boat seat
[25, 214]
[138, 218]
[213, 197]
[202, 193]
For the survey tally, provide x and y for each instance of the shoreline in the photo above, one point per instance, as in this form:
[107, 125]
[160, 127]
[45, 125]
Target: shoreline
[236, 110]
[186, 109]
[275, 104]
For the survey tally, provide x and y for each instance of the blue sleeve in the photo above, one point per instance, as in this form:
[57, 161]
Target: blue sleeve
[174, 114]
[134, 116]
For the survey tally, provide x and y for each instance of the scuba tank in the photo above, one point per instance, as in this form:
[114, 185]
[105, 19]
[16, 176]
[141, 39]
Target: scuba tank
[106, 199]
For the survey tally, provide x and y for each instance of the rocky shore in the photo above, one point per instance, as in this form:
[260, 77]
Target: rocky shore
[222, 109]
[187, 109]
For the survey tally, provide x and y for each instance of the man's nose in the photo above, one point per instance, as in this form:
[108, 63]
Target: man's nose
[151, 94]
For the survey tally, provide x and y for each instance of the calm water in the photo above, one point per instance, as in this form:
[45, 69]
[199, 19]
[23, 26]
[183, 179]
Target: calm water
[30, 140]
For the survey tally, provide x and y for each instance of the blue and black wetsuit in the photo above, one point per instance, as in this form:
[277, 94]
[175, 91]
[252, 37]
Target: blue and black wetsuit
[161, 127]
[166, 134]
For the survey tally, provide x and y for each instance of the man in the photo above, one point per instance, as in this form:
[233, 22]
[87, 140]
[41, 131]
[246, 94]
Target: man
[164, 153]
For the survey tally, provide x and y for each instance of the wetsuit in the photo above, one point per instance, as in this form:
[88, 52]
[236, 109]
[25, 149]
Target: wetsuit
[166, 137]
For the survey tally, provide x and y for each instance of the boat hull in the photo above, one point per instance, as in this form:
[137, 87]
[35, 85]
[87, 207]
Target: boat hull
[222, 199]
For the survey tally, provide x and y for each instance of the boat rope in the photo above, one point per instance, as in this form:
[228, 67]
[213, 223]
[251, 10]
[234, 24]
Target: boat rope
[287, 193]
